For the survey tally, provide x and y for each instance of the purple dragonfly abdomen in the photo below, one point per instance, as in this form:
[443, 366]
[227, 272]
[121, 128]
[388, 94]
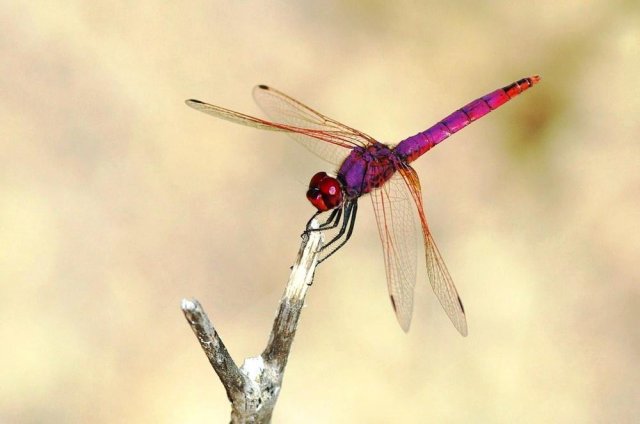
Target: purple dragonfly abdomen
[413, 147]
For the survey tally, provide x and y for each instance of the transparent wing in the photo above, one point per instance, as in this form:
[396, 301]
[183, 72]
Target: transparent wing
[396, 218]
[439, 277]
[308, 136]
[285, 110]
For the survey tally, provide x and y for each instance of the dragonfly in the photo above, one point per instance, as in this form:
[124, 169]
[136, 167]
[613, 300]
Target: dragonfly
[367, 166]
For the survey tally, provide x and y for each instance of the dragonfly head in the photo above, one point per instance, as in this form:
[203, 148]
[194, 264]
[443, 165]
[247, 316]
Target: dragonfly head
[325, 192]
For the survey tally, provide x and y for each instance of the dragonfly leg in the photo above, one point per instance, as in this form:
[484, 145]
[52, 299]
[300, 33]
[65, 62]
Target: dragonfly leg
[348, 208]
[332, 222]
[348, 224]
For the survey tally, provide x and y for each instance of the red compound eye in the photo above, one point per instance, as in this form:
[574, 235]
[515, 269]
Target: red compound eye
[324, 192]
[315, 180]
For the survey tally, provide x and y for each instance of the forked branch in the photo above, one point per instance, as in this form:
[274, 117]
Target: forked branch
[253, 388]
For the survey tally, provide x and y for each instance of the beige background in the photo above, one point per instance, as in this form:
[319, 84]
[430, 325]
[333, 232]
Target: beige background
[116, 201]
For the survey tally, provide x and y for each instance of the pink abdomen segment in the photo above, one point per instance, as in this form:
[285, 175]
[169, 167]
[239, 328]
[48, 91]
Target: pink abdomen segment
[413, 147]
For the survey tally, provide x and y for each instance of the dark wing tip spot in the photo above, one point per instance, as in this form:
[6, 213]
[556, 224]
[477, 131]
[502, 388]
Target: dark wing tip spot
[193, 101]
[263, 87]
[461, 305]
[393, 303]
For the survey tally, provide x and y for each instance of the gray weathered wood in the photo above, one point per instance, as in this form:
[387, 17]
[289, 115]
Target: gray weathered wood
[253, 388]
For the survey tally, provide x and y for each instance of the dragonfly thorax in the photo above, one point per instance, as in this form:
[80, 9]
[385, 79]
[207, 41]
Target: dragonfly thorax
[325, 192]
[367, 168]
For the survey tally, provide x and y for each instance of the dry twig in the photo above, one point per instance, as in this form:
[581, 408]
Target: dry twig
[254, 387]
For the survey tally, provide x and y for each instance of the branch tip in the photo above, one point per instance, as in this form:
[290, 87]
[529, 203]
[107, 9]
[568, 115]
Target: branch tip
[189, 305]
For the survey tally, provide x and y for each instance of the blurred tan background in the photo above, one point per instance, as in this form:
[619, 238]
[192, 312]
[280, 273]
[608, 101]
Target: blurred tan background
[117, 200]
